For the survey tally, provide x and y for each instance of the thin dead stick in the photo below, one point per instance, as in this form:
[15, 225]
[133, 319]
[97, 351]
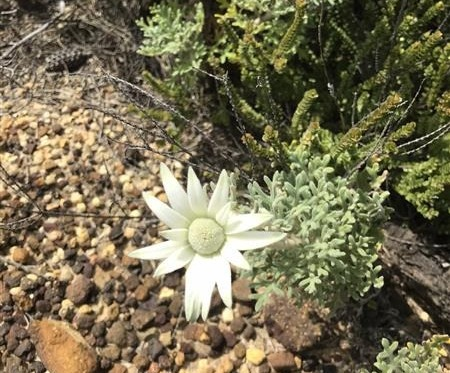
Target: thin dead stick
[26, 268]
[27, 37]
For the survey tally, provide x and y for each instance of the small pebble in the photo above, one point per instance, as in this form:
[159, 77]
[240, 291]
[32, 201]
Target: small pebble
[225, 365]
[217, 339]
[111, 352]
[193, 332]
[282, 361]
[166, 338]
[179, 358]
[237, 325]
[76, 197]
[154, 348]
[79, 290]
[117, 334]
[96, 202]
[118, 368]
[166, 293]
[249, 332]
[20, 255]
[80, 207]
[227, 315]
[129, 232]
[23, 348]
[55, 235]
[141, 362]
[175, 305]
[82, 235]
[230, 338]
[65, 274]
[255, 356]
[239, 350]
[142, 318]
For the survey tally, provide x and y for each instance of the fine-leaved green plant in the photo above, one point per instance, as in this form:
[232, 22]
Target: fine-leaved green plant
[333, 225]
[172, 32]
[413, 358]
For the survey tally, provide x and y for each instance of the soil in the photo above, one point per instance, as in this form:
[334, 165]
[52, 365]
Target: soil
[74, 159]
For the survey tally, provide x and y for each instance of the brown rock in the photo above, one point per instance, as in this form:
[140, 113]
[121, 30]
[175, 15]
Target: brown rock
[118, 368]
[203, 350]
[179, 358]
[20, 255]
[12, 279]
[239, 350]
[132, 282]
[193, 332]
[237, 325]
[151, 283]
[61, 348]
[175, 305]
[13, 364]
[293, 327]
[141, 362]
[217, 339]
[111, 352]
[230, 338]
[23, 348]
[5, 297]
[101, 277]
[142, 293]
[33, 242]
[117, 334]
[79, 290]
[55, 235]
[142, 318]
[249, 332]
[84, 321]
[244, 310]
[154, 368]
[241, 289]
[282, 361]
[154, 348]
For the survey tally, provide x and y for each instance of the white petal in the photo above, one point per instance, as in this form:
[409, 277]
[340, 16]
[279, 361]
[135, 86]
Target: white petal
[192, 297]
[180, 235]
[176, 195]
[167, 215]
[206, 288]
[224, 214]
[198, 200]
[220, 195]
[238, 223]
[253, 240]
[222, 272]
[175, 261]
[159, 250]
[234, 257]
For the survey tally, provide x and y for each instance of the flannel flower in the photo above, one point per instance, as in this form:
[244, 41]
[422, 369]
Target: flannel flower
[206, 236]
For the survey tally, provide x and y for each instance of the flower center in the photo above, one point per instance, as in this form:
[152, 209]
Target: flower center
[205, 236]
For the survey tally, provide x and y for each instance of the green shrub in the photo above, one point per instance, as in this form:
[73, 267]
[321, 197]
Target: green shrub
[333, 224]
[378, 72]
[414, 358]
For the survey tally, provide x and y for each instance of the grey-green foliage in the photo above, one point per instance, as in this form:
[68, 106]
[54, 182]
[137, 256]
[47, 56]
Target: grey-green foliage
[172, 32]
[414, 358]
[333, 232]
